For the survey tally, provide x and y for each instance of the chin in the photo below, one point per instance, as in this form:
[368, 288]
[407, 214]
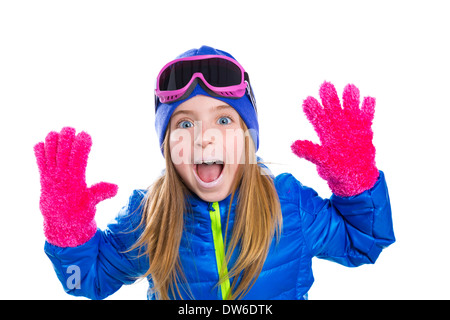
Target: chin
[212, 196]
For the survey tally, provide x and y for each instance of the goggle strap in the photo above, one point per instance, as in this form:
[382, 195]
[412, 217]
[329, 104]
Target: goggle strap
[250, 91]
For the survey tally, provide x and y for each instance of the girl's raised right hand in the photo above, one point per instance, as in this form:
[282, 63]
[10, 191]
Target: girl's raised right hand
[67, 204]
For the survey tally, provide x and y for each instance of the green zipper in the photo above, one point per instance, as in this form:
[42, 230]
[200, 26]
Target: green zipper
[219, 248]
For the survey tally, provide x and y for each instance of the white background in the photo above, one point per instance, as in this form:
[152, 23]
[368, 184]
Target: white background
[92, 65]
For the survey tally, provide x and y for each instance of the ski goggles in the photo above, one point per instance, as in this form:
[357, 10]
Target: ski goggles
[221, 76]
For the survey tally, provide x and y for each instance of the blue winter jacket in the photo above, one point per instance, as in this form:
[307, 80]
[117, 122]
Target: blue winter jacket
[350, 231]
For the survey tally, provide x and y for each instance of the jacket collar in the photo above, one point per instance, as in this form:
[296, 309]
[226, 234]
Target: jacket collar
[200, 206]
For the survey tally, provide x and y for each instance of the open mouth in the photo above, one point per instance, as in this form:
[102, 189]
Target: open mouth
[208, 172]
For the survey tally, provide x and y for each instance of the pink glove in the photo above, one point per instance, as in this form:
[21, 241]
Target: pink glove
[346, 156]
[67, 205]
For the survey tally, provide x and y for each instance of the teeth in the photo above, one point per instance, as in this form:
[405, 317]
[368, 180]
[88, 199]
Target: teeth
[209, 162]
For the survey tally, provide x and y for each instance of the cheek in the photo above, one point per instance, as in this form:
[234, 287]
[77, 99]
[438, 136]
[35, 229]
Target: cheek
[239, 149]
[184, 171]
[234, 146]
[180, 147]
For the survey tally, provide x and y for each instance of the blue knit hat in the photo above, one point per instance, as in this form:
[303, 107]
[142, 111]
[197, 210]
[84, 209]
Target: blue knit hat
[243, 105]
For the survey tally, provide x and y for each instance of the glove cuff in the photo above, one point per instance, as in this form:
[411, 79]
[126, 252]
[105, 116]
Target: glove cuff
[353, 184]
[73, 235]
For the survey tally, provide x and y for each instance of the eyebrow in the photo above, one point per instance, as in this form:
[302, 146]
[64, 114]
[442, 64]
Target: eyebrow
[190, 112]
[223, 106]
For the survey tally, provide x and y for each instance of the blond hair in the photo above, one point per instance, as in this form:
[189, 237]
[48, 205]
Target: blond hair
[257, 219]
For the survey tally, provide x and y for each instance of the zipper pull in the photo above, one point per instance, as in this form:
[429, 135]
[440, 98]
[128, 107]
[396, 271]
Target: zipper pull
[211, 207]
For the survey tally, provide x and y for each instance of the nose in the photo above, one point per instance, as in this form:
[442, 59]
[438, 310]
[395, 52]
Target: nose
[208, 137]
[201, 137]
[203, 143]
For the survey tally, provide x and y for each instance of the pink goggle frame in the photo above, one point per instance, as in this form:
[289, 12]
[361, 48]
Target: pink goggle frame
[221, 87]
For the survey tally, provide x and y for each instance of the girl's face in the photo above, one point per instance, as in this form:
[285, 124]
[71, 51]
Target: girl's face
[206, 146]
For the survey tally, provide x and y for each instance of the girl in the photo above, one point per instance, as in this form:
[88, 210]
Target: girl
[217, 224]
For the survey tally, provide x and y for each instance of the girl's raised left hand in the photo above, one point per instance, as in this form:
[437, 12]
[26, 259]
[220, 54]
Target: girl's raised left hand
[346, 156]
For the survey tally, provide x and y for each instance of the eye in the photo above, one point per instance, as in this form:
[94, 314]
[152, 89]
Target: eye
[185, 124]
[224, 120]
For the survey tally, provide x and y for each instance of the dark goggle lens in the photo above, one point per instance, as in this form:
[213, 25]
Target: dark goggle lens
[217, 72]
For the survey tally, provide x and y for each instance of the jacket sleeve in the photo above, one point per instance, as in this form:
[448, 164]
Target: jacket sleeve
[347, 230]
[99, 267]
